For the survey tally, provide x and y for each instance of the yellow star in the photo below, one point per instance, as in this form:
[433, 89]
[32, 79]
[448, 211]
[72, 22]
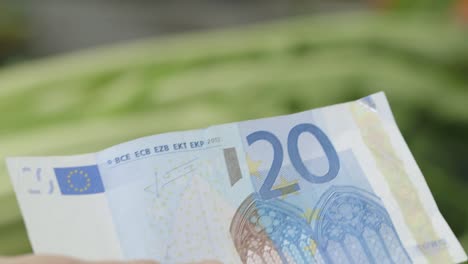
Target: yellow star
[284, 183]
[312, 247]
[253, 166]
[310, 214]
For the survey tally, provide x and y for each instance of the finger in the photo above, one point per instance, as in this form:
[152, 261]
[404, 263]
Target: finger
[43, 259]
[208, 262]
[38, 259]
[124, 262]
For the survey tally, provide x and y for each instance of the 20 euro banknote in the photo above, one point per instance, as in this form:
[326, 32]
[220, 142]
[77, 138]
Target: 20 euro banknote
[332, 185]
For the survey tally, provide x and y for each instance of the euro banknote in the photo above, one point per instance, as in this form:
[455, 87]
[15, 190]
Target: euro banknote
[336, 184]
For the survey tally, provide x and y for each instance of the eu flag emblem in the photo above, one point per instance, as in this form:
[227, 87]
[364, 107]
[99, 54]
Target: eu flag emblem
[79, 180]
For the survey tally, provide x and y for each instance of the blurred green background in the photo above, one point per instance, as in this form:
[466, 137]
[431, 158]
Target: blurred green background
[309, 54]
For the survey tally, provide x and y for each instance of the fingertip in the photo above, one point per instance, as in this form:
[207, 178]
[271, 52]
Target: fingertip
[142, 262]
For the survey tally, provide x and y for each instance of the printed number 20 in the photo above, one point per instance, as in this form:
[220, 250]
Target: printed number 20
[266, 190]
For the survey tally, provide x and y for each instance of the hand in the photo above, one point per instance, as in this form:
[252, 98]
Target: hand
[43, 259]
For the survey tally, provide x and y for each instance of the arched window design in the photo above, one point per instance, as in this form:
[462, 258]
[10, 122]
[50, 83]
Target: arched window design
[353, 227]
[271, 232]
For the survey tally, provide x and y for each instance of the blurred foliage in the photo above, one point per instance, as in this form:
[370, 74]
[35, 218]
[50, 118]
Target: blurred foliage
[12, 30]
[423, 5]
[90, 100]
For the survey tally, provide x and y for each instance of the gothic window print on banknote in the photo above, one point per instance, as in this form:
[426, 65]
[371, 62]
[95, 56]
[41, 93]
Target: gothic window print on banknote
[336, 184]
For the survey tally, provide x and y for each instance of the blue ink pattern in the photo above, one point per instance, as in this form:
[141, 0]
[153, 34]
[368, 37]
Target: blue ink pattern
[351, 227]
[261, 227]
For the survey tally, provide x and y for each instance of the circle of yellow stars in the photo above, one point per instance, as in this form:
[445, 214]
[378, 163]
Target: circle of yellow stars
[81, 173]
[254, 170]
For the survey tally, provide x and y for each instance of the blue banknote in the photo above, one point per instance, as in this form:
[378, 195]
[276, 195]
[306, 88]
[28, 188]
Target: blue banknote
[331, 185]
[313, 203]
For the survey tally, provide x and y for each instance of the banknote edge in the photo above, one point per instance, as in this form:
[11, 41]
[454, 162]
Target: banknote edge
[388, 115]
[321, 108]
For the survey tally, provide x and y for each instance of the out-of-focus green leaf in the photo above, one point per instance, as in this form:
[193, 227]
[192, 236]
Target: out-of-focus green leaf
[90, 100]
